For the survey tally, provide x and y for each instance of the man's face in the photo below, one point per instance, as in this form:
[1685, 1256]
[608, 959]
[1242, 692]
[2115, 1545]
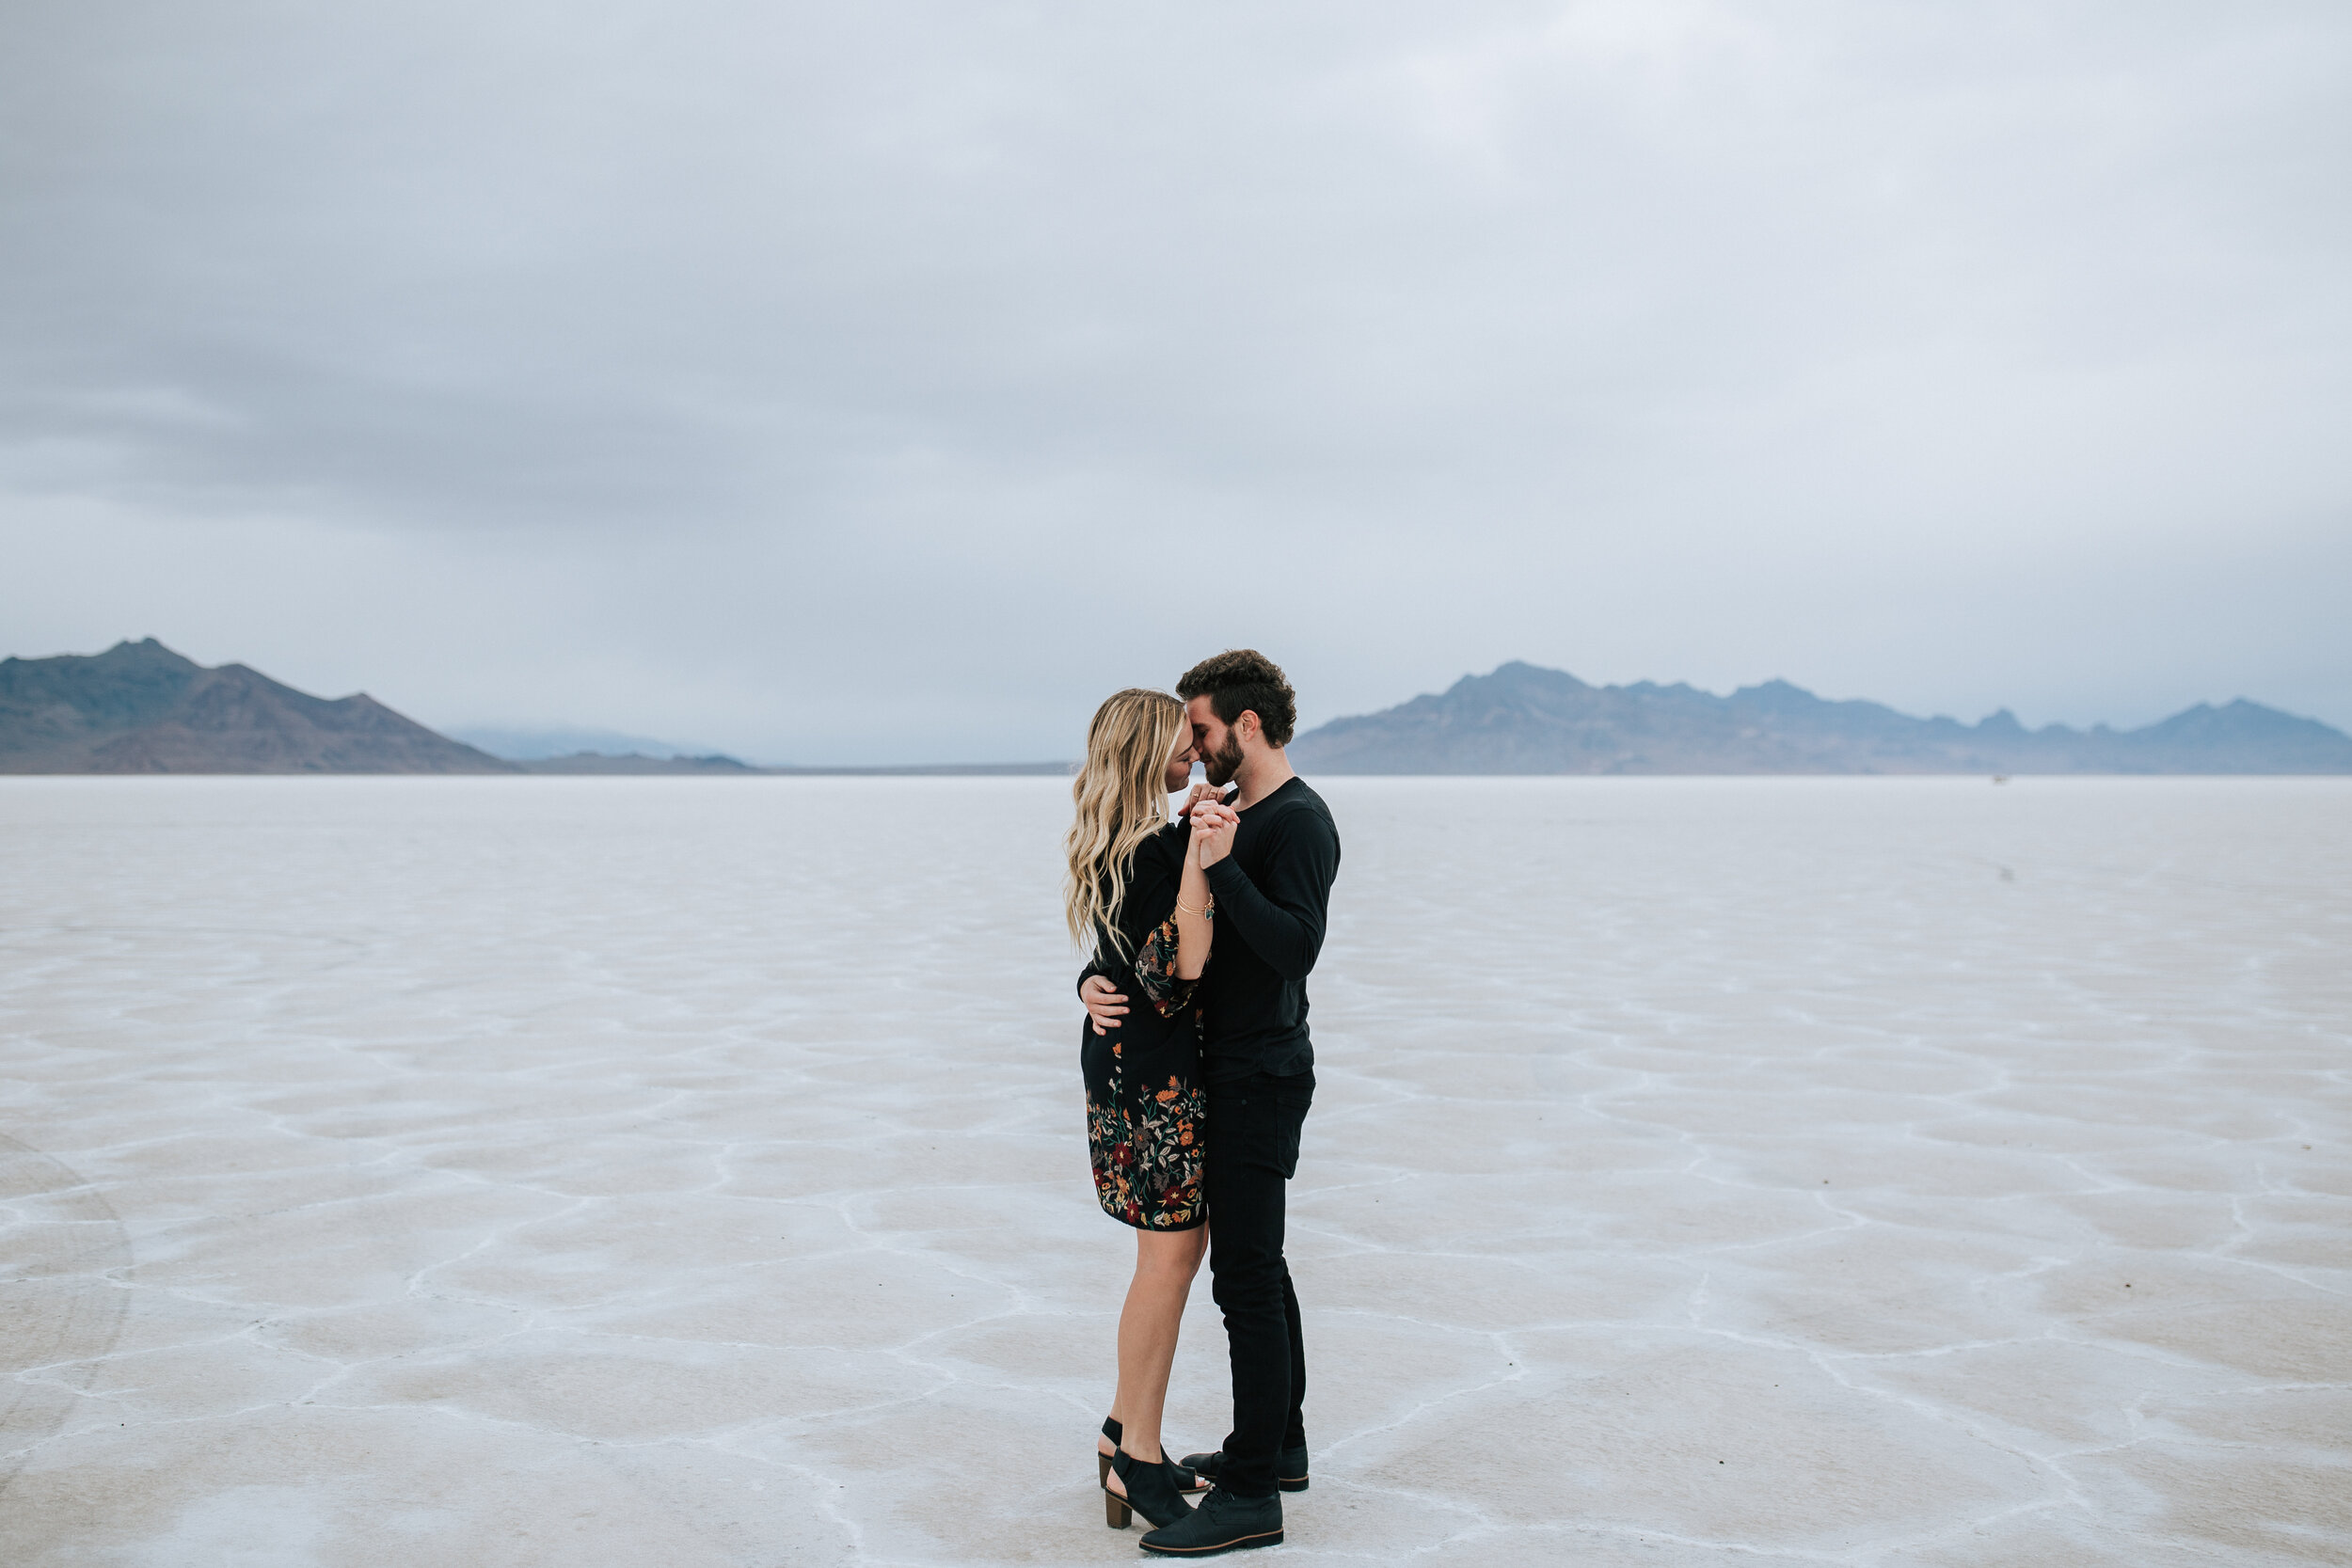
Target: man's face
[1216, 740]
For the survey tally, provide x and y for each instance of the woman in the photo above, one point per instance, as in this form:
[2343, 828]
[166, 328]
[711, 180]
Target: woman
[1138, 897]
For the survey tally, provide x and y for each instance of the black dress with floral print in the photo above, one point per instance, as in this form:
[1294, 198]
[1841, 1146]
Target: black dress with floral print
[1146, 1106]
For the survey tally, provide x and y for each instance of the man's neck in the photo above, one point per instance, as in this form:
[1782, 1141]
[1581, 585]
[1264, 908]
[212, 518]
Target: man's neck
[1261, 776]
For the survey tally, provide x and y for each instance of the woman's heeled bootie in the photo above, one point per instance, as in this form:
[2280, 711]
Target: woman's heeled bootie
[1152, 1491]
[1185, 1480]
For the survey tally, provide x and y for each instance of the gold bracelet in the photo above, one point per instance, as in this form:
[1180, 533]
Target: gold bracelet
[1187, 908]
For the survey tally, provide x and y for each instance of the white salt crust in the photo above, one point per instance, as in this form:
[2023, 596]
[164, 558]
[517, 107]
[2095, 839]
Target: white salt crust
[584, 1171]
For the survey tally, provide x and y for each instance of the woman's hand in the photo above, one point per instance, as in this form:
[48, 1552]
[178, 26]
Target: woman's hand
[1212, 828]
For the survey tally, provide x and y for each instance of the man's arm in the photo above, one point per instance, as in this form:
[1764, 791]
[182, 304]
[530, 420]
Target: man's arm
[1283, 921]
[1104, 1006]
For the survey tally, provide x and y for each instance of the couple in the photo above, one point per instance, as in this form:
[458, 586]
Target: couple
[1197, 1070]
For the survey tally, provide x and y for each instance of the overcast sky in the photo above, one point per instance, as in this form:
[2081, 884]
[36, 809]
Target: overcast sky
[889, 382]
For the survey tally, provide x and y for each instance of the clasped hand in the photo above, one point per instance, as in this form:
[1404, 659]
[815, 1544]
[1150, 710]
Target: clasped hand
[1213, 824]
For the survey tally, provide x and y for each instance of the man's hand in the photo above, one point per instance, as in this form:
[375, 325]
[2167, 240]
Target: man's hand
[1203, 791]
[1212, 828]
[1104, 1006]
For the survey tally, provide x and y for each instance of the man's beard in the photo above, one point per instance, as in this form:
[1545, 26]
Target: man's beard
[1223, 764]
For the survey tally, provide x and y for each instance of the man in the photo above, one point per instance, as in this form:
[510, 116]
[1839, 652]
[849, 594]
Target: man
[1270, 863]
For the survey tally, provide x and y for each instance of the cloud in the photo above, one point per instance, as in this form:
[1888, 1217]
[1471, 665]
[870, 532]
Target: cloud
[888, 382]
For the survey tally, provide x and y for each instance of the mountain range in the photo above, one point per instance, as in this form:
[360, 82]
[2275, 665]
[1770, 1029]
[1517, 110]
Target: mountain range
[1522, 719]
[139, 707]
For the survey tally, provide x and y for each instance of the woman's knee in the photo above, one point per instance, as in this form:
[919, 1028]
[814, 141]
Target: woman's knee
[1169, 1254]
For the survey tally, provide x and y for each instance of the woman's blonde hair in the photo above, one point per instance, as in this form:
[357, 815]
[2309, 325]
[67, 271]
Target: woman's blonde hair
[1122, 802]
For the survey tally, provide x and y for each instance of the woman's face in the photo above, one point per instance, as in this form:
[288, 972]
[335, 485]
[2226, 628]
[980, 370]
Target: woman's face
[1180, 771]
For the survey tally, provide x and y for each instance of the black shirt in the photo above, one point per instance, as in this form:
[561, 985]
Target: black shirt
[1271, 894]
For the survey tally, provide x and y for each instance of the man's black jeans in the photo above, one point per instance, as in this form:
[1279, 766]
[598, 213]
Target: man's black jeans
[1253, 1154]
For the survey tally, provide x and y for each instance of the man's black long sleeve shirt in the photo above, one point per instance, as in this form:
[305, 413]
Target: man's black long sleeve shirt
[1272, 893]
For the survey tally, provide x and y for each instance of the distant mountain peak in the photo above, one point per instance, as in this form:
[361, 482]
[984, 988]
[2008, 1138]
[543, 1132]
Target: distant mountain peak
[1774, 696]
[1518, 672]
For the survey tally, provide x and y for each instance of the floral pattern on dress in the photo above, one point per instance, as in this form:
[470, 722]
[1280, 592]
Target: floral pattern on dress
[1146, 1148]
[1155, 969]
[1146, 1166]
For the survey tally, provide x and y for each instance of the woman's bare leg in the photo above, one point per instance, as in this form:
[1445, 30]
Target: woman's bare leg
[1165, 1262]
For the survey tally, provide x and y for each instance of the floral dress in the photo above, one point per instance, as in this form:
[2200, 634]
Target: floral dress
[1146, 1105]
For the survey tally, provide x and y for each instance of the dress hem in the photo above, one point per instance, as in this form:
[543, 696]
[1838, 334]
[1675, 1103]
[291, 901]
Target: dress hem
[1159, 1230]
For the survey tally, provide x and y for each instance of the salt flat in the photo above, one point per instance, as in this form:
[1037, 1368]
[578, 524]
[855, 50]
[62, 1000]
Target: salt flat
[585, 1171]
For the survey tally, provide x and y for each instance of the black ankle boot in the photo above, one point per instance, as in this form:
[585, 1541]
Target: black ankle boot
[1181, 1475]
[1152, 1491]
[1222, 1523]
[1290, 1467]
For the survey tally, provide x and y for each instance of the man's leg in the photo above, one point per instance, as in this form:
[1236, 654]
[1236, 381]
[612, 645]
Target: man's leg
[1253, 1151]
[1295, 1429]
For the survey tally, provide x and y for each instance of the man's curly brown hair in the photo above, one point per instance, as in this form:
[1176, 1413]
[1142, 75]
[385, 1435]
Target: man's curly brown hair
[1243, 680]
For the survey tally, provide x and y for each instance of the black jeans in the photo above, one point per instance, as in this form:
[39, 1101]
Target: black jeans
[1253, 1154]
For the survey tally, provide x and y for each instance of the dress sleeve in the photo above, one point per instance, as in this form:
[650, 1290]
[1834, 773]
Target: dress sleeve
[1155, 970]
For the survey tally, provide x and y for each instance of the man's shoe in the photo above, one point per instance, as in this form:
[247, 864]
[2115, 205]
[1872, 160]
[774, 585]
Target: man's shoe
[1222, 1523]
[1290, 1466]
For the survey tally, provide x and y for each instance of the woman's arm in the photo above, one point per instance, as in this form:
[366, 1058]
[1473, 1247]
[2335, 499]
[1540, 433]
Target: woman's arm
[1194, 928]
